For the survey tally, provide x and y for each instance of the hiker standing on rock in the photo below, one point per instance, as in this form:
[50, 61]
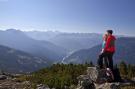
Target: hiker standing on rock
[107, 51]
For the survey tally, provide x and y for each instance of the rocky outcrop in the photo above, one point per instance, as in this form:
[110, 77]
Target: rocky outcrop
[11, 84]
[107, 86]
[2, 77]
[96, 79]
[97, 75]
[9, 81]
[42, 86]
[85, 82]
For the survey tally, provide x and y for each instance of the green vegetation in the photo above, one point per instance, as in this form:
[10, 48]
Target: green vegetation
[127, 70]
[60, 75]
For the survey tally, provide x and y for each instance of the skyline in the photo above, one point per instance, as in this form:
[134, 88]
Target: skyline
[92, 16]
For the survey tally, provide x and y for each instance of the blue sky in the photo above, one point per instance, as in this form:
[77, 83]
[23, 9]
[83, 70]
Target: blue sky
[69, 15]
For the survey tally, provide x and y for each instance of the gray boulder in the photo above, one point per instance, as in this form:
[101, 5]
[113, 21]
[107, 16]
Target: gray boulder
[84, 82]
[97, 75]
[95, 79]
[3, 77]
[107, 86]
[42, 86]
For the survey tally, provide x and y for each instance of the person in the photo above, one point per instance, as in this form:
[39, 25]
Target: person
[100, 61]
[108, 51]
[104, 42]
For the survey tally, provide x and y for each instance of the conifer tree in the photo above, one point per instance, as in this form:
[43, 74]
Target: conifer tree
[123, 69]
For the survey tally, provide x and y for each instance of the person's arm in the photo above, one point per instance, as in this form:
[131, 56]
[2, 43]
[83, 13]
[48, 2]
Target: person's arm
[102, 51]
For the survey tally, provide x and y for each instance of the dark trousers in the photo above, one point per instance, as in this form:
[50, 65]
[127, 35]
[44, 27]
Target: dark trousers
[107, 57]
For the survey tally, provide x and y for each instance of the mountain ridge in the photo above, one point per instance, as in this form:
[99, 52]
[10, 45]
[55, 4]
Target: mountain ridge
[16, 61]
[69, 41]
[124, 51]
[19, 40]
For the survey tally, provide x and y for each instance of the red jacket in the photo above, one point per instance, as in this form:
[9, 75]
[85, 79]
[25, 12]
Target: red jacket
[110, 44]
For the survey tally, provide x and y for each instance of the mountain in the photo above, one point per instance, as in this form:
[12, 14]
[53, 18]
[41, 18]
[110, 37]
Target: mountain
[42, 35]
[70, 41]
[19, 40]
[125, 51]
[12, 60]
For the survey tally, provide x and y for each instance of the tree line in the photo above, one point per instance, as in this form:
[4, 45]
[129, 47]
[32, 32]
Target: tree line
[59, 76]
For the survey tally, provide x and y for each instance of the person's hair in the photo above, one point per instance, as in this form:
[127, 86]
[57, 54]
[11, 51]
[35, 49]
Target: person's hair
[105, 37]
[110, 31]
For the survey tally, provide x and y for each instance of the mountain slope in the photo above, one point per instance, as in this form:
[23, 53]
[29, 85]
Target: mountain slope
[125, 51]
[42, 35]
[69, 41]
[12, 60]
[18, 40]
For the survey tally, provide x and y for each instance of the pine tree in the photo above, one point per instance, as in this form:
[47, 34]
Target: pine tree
[91, 63]
[123, 69]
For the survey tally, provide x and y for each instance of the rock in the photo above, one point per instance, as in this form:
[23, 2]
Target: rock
[95, 79]
[133, 79]
[107, 86]
[42, 86]
[26, 82]
[3, 77]
[97, 75]
[85, 82]
[92, 73]
[10, 84]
